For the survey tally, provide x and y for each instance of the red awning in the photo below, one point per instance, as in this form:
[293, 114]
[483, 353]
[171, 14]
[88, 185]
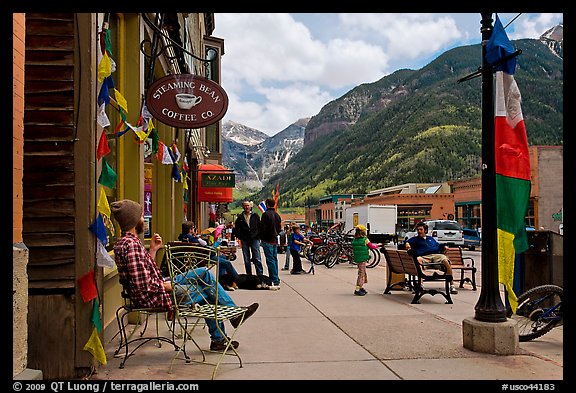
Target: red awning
[213, 194]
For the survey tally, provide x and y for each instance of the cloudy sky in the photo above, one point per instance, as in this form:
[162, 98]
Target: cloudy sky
[278, 68]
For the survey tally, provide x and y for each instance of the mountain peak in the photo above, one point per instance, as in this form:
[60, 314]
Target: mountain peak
[555, 33]
[554, 39]
[242, 134]
[255, 156]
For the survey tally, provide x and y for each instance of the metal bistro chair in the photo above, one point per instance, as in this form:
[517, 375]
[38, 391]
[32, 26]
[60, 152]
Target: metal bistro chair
[142, 312]
[188, 266]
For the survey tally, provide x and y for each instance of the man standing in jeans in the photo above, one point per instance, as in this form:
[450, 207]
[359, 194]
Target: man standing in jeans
[246, 229]
[270, 226]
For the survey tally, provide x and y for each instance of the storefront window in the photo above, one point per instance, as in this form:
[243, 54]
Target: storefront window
[409, 215]
[468, 215]
[530, 221]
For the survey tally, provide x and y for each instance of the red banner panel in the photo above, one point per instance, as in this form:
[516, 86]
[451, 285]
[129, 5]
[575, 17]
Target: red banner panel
[213, 194]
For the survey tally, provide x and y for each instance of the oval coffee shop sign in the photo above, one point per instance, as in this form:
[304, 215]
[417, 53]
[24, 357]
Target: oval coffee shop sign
[186, 101]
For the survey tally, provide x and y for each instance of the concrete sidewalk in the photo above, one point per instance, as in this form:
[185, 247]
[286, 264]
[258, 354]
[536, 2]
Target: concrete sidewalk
[314, 328]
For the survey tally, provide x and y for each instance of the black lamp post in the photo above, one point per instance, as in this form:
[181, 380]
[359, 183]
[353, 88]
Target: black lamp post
[489, 307]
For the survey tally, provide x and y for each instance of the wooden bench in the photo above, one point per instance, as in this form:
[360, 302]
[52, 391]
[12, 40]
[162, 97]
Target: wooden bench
[401, 262]
[464, 264]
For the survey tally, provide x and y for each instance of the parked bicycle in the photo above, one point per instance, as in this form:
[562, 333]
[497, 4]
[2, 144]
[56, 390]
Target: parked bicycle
[332, 247]
[329, 241]
[539, 311]
[338, 249]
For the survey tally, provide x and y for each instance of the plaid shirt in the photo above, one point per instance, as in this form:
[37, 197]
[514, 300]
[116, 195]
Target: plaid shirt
[136, 266]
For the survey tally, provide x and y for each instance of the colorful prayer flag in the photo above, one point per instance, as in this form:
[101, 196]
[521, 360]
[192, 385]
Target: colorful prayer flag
[99, 229]
[96, 320]
[512, 164]
[103, 206]
[102, 117]
[155, 141]
[103, 147]
[175, 153]
[104, 67]
[87, 286]
[176, 173]
[103, 258]
[94, 346]
[122, 103]
[107, 176]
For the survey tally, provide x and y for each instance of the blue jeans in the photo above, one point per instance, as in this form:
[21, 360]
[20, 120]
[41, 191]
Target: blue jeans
[271, 254]
[252, 247]
[226, 267]
[287, 264]
[204, 294]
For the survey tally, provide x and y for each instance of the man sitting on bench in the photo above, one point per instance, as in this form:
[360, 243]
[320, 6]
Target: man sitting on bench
[428, 250]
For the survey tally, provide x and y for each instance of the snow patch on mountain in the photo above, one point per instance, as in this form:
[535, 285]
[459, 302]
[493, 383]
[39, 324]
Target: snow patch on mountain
[255, 156]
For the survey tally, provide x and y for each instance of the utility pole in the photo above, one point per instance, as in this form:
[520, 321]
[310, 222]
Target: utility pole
[489, 307]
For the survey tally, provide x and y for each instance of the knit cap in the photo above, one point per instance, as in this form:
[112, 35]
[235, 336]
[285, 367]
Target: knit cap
[127, 213]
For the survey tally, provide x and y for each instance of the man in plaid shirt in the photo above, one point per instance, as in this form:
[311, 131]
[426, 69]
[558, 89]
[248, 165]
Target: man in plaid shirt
[147, 287]
[138, 268]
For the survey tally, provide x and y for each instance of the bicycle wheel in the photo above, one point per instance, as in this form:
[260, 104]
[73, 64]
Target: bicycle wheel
[346, 254]
[320, 254]
[374, 259]
[332, 258]
[539, 311]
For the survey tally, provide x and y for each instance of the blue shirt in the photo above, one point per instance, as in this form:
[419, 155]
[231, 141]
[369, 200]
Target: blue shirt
[298, 237]
[424, 245]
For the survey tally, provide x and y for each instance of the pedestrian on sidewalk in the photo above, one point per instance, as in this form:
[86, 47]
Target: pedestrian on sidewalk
[288, 230]
[298, 241]
[246, 230]
[270, 226]
[361, 248]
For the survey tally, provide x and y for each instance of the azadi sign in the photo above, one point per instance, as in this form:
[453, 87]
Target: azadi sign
[218, 180]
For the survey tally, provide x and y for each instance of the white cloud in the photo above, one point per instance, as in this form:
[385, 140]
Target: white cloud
[350, 63]
[531, 26]
[263, 47]
[279, 108]
[405, 35]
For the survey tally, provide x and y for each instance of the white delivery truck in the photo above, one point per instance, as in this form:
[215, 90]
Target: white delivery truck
[379, 220]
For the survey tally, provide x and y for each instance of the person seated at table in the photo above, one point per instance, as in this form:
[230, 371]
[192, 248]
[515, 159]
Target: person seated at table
[190, 235]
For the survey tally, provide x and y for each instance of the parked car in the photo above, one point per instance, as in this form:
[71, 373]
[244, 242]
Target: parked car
[447, 232]
[471, 238]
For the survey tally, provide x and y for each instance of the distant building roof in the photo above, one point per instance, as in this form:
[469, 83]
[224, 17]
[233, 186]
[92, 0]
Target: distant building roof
[335, 197]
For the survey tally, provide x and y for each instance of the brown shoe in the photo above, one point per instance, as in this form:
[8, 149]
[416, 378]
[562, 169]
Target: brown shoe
[251, 310]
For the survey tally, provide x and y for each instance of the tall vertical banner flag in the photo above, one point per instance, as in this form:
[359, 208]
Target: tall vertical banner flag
[512, 161]
[276, 196]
